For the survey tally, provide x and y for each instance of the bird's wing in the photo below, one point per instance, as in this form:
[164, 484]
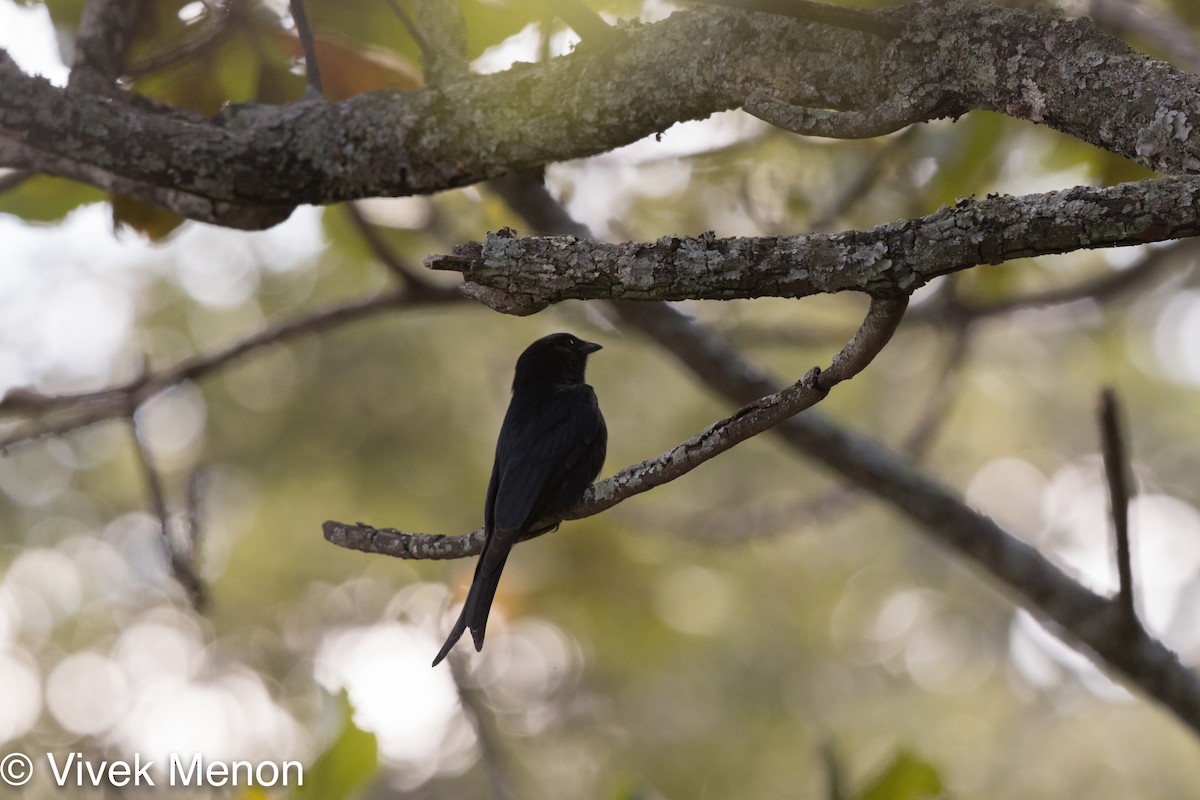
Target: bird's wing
[549, 436]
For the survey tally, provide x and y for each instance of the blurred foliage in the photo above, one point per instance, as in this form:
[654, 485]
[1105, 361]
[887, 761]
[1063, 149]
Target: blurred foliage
[705, 640]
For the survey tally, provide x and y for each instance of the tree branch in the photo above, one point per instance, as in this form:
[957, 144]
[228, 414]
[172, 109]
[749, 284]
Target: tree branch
[105, 32]
[1091, 622]
[524, 275]
[1116, 470]
[444, 33]
[967, 54]
[56, 414]
[881, 321]
[181, 564]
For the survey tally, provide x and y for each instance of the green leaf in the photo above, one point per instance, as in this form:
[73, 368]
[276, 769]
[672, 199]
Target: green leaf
[346, 766]
[906, 778]
[45, 199]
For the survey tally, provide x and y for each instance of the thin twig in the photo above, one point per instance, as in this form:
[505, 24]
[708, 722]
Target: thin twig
[106, 30]
[181, 564]
[1116, 470]
[408, 275]
[214, 24]
[582, 19]
[413, 31]
[312, 70]
[853, 190]
[734, 525]
[67, 412]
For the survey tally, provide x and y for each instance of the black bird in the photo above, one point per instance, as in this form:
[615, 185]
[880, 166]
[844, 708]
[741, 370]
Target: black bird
[551, 447]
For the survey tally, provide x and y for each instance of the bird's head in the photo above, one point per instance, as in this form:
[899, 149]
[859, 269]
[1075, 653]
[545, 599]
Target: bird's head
[559, 358]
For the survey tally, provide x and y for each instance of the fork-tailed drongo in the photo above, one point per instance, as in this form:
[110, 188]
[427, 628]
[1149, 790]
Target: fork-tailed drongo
[551, 448]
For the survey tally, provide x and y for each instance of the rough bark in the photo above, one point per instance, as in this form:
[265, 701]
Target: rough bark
[524, 275]
[952, 57]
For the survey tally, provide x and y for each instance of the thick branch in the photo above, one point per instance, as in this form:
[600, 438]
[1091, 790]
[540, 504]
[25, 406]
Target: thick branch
[955, 55]
[524, 275]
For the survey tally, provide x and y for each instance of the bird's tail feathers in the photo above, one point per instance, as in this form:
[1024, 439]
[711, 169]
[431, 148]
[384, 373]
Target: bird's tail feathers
[475, 610]
[454, 636]
[479, 601]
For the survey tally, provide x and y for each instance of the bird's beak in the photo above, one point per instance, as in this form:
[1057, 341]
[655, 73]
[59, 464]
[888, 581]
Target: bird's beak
[587, 348]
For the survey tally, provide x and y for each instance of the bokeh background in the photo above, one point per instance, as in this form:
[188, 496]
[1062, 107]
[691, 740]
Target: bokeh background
[751, 630]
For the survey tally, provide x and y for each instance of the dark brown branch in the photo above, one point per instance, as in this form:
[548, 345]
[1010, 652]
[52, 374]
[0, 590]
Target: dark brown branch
[524, 275]
[1117, 471]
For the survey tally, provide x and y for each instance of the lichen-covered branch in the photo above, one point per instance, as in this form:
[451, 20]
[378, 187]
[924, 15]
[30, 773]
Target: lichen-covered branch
[953, 56]
[524, 275]
[750, 420]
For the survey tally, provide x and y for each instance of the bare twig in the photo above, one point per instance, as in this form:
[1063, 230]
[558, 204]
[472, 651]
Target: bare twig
[105, 32]
[582, 19]
[182, 564]
[312, 70]
[1116, 469]
[59, 413]
[847, 195]
[733, 525]
[408, 275]
[213, 26]
[413, 31]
